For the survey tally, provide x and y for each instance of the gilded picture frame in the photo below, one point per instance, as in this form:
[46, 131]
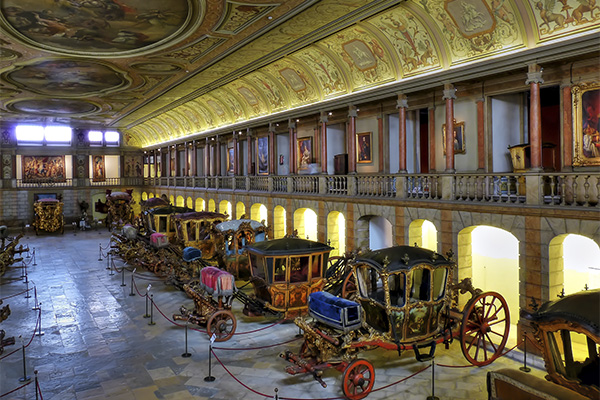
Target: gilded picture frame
[364, 147]
[43, 168]
[586, 125]
[98, 169]
[304, 152]
[459, 138]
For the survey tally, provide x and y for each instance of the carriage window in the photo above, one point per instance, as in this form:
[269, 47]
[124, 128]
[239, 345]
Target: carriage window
[439, 283]
[299, 269]
[191, 231]
[316, 266]
[258, 266]
[575, 356]
[162, 224]
[397, 286]
[421, 278]
[280, 266]
[370, 284]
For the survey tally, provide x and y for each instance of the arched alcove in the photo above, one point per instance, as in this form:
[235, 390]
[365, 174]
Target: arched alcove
[225, 208]
[144, 196]
[189, 203]
[279, 222]
[258, 212]
[211, 205]
[574, 264]
[200, 204]
[305, 222]
[336, 233]
[180, 201]
[423, 233]
[240, 210]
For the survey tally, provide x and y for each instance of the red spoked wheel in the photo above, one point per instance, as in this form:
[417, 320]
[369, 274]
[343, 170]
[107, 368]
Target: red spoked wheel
[485, 327]
[359, 378]
[222, 324]
[349, 289]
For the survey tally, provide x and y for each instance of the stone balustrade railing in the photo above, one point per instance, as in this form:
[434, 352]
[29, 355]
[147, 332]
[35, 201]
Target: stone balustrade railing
[573, 189]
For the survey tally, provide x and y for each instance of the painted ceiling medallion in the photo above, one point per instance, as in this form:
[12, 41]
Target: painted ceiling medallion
[157, 68]
[67, 78]
[53, 107]
[8, 54]
[96, 27]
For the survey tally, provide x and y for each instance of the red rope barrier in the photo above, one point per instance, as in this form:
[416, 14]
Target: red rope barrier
[14, 390]
[261, 329]
[16, 294]
[39, 319]
[238, 381]
[256, 348]
[472, 365]
[403, 379]
[39, 389]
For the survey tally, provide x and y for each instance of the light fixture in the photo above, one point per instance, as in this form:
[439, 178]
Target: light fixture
[297, 120]
[329, 113]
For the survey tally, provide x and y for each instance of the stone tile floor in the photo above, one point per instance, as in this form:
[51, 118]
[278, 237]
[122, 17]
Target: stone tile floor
[97, 344]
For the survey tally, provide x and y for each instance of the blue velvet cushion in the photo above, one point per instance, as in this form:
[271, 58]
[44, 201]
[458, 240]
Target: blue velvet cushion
[334, 311]
[191, 254]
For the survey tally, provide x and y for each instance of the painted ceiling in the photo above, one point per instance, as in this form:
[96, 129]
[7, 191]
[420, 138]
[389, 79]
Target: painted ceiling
[159, 71]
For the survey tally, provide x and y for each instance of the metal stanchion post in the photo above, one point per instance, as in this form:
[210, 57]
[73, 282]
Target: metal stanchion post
[276, 394]
[22, 270]
[525, 368]
[112, 265]
[186, 354]
[35, 371]
[210, 378]
[36, 306]
[27, 295]
[433, 396]
[133, 273]
[151, 310]
[25, 378]
[108, 260]
[40, 333]
[34, 262]
[123, 276]
[26, 275]
[146, 296]
[99, 251]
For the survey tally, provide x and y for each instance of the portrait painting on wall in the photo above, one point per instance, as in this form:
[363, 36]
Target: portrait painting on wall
[36, 168]
[459, 137]
[304, 152]
[262, 155]
[586, 135]
[363, 147]
[99, 173]
[230, 160]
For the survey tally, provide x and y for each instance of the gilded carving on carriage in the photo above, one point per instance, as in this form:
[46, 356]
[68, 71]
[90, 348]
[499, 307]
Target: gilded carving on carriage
[48, 215]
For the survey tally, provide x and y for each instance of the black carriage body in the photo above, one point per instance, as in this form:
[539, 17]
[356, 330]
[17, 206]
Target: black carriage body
[404, 291]
[285, 271]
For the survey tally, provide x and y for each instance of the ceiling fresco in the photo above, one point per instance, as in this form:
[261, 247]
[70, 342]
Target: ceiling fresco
[160, 70]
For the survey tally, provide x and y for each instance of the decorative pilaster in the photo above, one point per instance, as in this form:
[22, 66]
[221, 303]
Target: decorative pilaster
[249, 152]
[293, 144]
[431, 127]
[534, 79]
[352, 114]
[272, 149]
[207, 171]
[402, 105]
[323, 122]
[480, 135]
[235, 154]
[567, 112]
[449, 96]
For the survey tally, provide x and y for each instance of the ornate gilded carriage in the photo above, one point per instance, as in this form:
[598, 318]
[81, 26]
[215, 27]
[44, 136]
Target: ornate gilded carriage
[48, 215]
[404, 301]
[119, 208]
[197, 229]
[236, 236]
[160, 219]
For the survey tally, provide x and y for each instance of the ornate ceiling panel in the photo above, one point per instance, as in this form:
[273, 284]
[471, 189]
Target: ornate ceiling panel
[160, 70]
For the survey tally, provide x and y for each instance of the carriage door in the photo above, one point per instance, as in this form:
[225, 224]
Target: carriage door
[372, 297]
[419, 307]
[298, 284]
[277, 269]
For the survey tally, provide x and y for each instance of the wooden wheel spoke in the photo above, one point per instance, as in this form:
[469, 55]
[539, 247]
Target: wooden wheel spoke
[497, 322]
[490, 307]
[491, 342]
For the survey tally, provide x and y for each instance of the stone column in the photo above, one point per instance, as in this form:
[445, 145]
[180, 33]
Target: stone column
[480, 135]
[567, 162]
[352, 114]
[249, 151]
[449, 96]
[207, 158]
[235, 154]
[380, 141]
[534, 79]
[402, 105]
[431, 126]
[187, 158]
[218, 155]
[323, 121]
[272, 150]
[293, 145]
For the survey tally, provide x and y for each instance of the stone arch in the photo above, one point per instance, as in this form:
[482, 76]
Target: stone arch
[200, 204]
[336, 233]
[212, 206]
[240, 209]
[305, 222]
[189, 202]
[225, 207]
[279, 222]
[422, 232]
[374, 232]
[144, 196]
[258, 212]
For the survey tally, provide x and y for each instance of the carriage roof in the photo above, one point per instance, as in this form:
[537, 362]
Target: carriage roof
[288, 246]
[155, 202]
[235, 224]
[402, 258]
[199, 216]
[118, 196]
[169, 210]
[582, 308]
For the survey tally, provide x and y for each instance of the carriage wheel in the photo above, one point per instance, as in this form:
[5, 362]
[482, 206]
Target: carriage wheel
[222, 324]
[484, 330]
[349, 290]
[359, 378]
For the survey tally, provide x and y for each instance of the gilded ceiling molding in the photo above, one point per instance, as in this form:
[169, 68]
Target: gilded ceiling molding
[195, 120]
[256, 102]
[323, 67]
[205, 113]
[237, 111]
[271, 90]
[295, 81]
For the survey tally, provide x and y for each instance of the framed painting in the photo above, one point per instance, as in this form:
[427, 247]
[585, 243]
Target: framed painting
[36, 168]
[459, 137]
[364, 153]
[304, 152]
[230, 160]
[98, 169]
[586, 135]
[262, 155]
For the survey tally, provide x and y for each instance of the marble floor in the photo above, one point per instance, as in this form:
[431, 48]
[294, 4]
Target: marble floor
[96, 343]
